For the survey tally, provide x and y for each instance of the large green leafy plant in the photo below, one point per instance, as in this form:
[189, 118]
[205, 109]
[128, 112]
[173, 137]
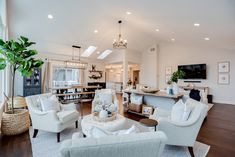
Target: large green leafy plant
[19, 57]
[177, 75]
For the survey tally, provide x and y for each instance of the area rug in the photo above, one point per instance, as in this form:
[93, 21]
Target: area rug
[45, 145]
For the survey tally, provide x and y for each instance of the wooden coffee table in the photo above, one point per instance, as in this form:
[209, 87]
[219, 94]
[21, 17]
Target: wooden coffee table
[149, 123]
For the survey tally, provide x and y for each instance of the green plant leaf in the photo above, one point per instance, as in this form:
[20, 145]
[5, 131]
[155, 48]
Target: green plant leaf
[2, 63]
[24, 39]
[1, 42]
[177, 75]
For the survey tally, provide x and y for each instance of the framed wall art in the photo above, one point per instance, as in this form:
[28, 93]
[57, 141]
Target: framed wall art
[223, 79]
[168, 71]
[223, 67]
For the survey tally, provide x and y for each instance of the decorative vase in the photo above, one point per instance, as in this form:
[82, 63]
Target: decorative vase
[103, 114]
[175, 88]
[169, 90]
[15, 124]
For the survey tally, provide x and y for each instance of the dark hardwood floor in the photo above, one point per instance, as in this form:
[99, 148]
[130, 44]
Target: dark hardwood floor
[218, 131]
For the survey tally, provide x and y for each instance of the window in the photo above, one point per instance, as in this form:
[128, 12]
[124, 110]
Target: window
[1, 71]
[65, 76]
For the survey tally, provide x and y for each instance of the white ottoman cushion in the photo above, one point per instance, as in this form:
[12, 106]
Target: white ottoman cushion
[66, 116]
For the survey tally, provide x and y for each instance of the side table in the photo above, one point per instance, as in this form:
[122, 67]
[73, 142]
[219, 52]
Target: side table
[149, 123]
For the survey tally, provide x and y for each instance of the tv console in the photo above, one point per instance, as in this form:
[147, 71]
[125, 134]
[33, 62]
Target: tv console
[192, 81]
[206, 89]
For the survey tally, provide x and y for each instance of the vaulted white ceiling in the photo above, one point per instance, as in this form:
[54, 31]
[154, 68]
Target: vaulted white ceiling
[74, 22]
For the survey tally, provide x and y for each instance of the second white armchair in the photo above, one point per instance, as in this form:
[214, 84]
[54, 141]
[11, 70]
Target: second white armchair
[182, 133]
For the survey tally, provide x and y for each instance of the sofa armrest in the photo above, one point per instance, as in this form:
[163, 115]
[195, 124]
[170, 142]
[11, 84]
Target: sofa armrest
[179, 124]
[65, 148]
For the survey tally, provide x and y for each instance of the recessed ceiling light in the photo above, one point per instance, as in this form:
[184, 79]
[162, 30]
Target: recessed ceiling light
[104, 54]
[206, 39]
[157, 30]
[50, 16]
[172, 39]
[89, 51]
[98, 52]
[196, 24]
[96, 31]
[128, 13]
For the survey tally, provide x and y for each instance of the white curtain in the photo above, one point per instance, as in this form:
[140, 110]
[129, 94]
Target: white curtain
[81, 77]
[46, 81]
[5, 76]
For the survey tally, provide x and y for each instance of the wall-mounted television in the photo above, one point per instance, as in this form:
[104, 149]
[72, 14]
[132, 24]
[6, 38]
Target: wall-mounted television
[194, 71]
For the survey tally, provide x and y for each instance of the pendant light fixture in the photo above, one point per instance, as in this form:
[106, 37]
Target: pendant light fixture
[120, 43]
[76, 63]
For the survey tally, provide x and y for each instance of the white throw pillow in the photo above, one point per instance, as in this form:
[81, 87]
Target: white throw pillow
[96, 132]
[50, 103]
[203, 97]
[136, 99]
[180, 111]
[131, 130]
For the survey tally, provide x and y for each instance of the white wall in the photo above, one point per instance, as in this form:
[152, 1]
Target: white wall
[149, 67]
[174, 55]
[117, 57]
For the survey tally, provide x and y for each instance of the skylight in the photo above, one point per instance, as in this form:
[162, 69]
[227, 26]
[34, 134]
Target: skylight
[89, 51]
[104, 54]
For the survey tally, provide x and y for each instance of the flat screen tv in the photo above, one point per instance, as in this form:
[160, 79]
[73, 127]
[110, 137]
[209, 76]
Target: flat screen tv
[194, 71]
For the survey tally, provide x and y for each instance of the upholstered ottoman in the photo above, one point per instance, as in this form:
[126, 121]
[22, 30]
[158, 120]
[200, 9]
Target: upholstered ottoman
[88, 122]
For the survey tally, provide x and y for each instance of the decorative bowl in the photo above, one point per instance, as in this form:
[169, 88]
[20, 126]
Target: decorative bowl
[149, 90]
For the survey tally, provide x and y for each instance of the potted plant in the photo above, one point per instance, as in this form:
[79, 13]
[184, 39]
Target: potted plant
[179, 74]
[18, 56]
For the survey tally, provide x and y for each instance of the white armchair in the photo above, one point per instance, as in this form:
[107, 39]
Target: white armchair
[182, 133]
[51, 121]
[102, 95]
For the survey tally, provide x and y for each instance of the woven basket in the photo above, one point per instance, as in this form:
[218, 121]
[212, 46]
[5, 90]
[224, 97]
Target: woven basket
[134, 107]
[14, 124]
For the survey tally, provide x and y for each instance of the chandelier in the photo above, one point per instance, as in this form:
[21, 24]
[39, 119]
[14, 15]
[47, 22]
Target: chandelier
[74, 63]
[120, 43]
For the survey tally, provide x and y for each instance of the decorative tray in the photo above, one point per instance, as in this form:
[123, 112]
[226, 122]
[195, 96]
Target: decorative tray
[110, 117]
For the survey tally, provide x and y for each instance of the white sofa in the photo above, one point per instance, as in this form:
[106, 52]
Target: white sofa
[147, 144]
[182, 133]
[51, 121]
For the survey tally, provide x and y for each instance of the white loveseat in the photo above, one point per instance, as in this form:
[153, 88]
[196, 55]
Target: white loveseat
[147, 144]
[51, 121]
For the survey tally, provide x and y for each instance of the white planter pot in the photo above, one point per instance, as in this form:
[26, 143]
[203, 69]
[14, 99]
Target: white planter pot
[103, 114]
[175, 88]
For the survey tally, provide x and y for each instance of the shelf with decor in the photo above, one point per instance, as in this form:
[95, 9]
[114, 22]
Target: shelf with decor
[95, 74]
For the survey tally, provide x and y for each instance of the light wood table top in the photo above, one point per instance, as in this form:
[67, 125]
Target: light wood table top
[157, 94]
